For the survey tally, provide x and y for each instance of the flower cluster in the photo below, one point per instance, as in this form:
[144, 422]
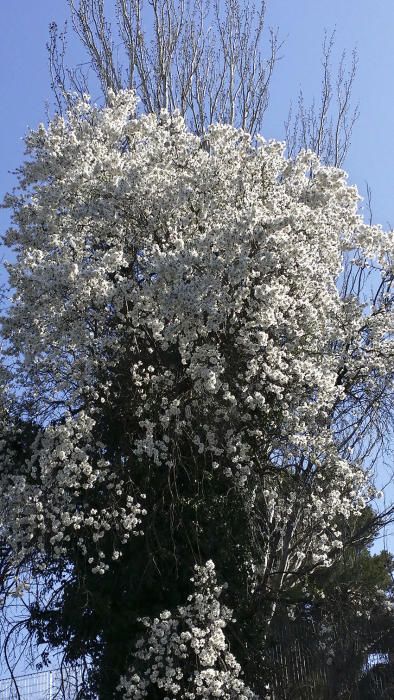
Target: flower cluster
[177, 299]
[185, 652]
[48, 500]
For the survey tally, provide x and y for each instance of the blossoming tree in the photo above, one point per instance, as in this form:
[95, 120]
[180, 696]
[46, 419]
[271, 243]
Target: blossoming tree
[200, 379]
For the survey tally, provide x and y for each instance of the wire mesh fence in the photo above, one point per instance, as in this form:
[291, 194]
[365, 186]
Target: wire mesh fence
[296, 676]
[54, 684]
[296, 665]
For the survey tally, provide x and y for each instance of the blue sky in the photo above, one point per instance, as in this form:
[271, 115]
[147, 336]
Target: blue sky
[363, 24]
[368, 26]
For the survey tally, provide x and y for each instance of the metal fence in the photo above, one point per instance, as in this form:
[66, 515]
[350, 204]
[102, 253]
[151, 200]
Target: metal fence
[45, 685]
[295, 668]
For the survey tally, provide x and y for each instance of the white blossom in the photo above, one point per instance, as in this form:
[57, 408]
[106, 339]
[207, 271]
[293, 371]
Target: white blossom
[185, 652]
[163, 294]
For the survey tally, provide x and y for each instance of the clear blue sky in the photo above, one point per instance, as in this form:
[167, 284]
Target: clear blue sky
[364, 24]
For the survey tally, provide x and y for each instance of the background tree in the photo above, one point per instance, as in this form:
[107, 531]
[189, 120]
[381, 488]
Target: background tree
[212, 61]
[346, 620]
[204, 59]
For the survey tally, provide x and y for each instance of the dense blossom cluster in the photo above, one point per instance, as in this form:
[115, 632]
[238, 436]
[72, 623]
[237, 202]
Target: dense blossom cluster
[176, 301]
[185, 653]
[47, 496]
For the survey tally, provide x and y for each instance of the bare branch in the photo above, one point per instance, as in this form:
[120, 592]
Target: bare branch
[207, 60]
[326, 130]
